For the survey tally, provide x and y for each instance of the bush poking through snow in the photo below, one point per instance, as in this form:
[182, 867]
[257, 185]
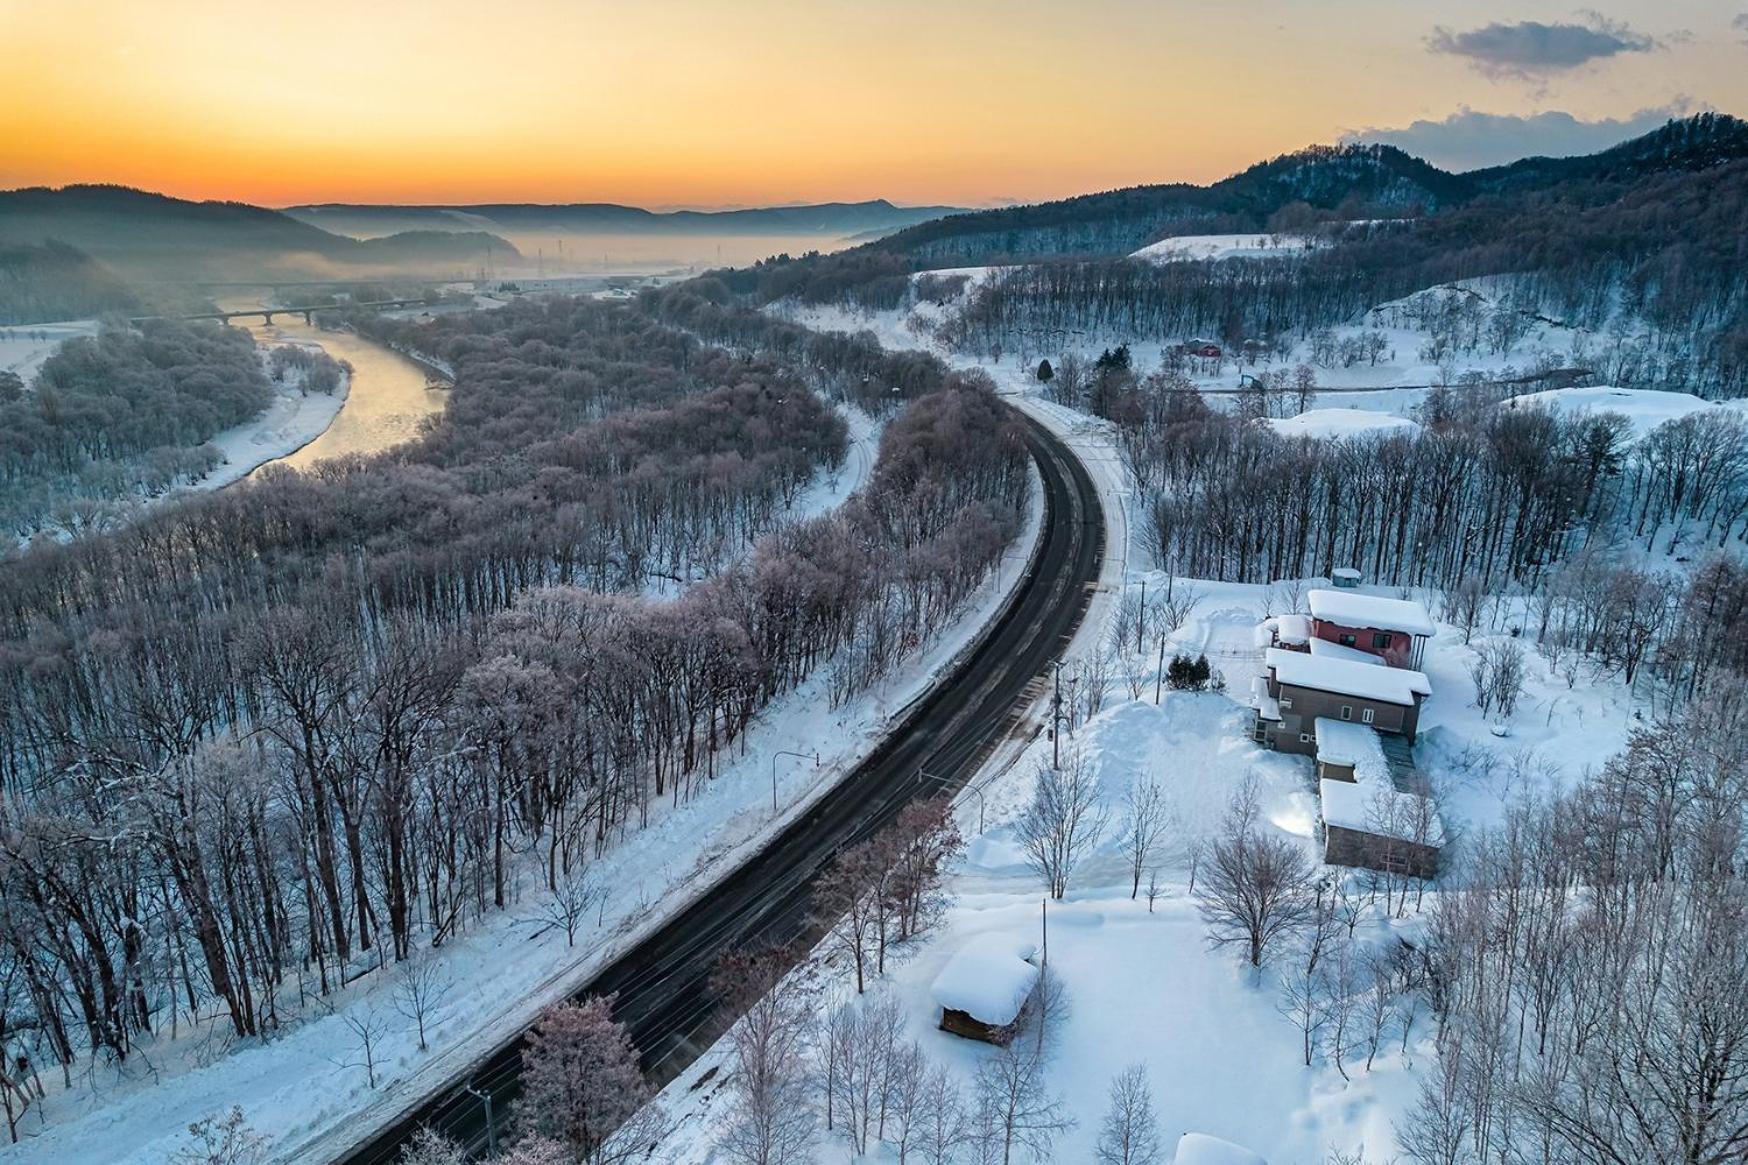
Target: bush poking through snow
[1189, 675]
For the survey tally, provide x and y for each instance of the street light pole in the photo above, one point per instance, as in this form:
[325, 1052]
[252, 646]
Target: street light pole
[982, 802]
[813, 756]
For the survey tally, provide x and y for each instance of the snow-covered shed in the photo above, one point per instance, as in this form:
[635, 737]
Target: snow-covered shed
[1201, 1149]
[985, 987]
[1395, 629]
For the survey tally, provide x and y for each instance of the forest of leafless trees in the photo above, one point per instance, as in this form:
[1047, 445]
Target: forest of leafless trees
[1590, 970]
[263, 741]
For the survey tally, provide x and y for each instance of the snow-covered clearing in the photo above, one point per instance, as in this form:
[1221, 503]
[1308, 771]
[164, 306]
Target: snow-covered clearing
[294, 419]
[502, 973]
[1644, 408]
[24, 347]
[1339, 423]
[1179, 248]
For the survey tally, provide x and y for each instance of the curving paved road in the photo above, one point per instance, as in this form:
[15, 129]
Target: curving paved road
[661, 984]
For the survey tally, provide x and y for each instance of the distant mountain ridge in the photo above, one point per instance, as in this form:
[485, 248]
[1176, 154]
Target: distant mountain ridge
[1347, 181]
[828, 218]
[146, 235]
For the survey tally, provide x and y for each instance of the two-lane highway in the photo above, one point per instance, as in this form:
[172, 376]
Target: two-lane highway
[662, 984]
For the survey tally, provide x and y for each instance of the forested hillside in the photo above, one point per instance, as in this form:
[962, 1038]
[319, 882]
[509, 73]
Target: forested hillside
[157, 237]
[1642, 244]
[263, 741]
[39, 284]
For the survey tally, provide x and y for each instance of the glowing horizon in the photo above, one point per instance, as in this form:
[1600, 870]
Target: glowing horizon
[688, 103]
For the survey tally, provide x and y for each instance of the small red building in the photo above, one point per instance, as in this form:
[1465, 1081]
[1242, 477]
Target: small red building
[1395, 630]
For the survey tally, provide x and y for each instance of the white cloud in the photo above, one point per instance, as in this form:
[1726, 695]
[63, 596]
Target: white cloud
[1469, 139]
[1534, 50]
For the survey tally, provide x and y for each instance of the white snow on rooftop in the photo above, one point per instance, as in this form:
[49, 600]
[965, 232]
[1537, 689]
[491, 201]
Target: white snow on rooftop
[1370, 802]
[989, 979]
[1294, 628]
[1646, 408]
[1329, 650]
[1327, 423]
[1391, 685]
[1201, 1149]
[1358, 609]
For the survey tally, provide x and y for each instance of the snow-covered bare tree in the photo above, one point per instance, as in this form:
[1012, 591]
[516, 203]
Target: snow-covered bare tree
[1129, 1132]
[422, 985]
[1146, 817]
[581, 1082]
[222, 1140]
[772, 1121]
[1019, 1116]
[1063, 821]
[1257, 889]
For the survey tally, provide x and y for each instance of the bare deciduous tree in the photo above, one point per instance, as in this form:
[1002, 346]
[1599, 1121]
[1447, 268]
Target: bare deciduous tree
[1258, 888]
[1063, 821]
[1129, 1133]
[1146, 816]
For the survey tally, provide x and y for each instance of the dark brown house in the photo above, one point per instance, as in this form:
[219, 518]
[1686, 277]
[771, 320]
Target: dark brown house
[1302, 686]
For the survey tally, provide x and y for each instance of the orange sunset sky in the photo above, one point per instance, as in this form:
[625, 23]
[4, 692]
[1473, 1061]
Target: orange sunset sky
[679, 102]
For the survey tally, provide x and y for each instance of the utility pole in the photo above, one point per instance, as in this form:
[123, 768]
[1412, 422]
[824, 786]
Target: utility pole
[491, 1125]
[1159, 677]
[1056, 722]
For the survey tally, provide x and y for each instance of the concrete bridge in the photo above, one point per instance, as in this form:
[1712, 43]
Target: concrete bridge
[267, 313]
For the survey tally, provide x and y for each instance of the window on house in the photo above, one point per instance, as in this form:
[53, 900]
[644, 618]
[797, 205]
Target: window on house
[1304, 738]
[1347, 640]
[1347, 711]
[1381, 640]
[1368, 715]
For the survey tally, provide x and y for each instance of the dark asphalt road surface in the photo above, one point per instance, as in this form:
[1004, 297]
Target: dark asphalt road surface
[662, 983]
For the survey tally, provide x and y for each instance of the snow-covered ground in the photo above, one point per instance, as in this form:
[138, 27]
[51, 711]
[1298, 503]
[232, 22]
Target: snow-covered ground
[1142, 985]
[24, 347]
[1347, 422]
[1178, 248]
[1644, 408]
[503, 972]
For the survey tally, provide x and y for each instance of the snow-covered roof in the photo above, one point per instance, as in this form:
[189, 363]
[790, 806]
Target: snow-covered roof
[1264, 634]
[1358, 609]
[1342, 742]
[1295, 628]
[1266, 705]
[1201, 1149]
[1370, 802]
[1390, 685]
[1327, 423]
[1331, 650]
[989, 979]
